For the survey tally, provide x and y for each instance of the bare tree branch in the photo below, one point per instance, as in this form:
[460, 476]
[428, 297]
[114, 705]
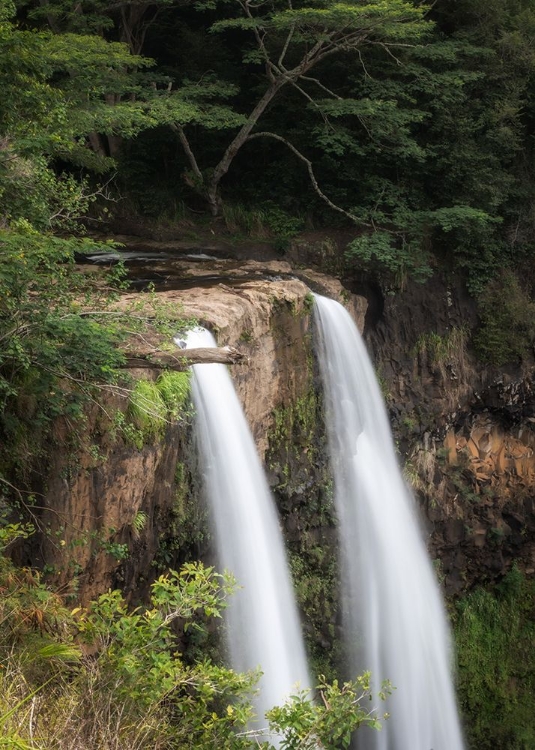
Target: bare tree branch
[321, 86]
[187, 150]
[286, 45]
[311, 174]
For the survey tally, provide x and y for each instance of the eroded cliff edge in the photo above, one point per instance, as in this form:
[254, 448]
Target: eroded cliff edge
[464, 434]
[121, 504]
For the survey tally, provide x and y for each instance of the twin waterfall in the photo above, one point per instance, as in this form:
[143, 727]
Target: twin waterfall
[394, 622]
[263, 628]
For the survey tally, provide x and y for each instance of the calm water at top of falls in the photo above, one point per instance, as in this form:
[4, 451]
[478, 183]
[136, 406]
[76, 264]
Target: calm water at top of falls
[394, 619]
[262, 623]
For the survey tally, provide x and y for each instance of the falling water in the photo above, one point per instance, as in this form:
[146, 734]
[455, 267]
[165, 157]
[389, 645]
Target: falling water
[395, 623]
[263, 628]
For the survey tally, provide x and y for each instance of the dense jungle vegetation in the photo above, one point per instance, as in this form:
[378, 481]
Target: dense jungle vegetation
[410, 123]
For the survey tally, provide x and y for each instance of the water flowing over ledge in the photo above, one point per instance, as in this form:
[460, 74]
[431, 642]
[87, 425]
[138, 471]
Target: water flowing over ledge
[263, 627]
[394, 620]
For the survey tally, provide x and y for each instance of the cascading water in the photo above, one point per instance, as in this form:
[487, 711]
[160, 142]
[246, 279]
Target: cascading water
[395, 624]
[263, 628]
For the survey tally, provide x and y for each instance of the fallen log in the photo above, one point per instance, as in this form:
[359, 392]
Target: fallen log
[183, 358]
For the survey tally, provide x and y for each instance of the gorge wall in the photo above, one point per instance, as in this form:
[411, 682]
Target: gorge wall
[465, 430]
[120, 505]
[118, 510]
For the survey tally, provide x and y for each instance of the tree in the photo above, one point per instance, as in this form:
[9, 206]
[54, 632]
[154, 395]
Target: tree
[135, 99]
[291, 43]
[125, 20]
[54, 90]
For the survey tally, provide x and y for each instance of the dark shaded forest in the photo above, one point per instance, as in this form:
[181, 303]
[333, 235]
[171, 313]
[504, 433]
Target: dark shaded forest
[412, 123]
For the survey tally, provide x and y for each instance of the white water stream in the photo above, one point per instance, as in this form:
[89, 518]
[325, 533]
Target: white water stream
[395, 624]
[263, 628]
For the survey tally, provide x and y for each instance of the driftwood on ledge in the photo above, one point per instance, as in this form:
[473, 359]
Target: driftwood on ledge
[183, 358]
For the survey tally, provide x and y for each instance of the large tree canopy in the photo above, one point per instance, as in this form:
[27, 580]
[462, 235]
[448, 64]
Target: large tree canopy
[291, 44]
[411, 121]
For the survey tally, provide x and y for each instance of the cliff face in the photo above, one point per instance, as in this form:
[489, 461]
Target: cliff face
[120, 506]
[465, 431]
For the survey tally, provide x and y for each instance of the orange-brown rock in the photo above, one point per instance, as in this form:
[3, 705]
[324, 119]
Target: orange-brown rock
[97, 488]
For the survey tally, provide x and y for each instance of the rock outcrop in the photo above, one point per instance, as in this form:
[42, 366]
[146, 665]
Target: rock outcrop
[119, 507]
[113, 508]
[465, 430]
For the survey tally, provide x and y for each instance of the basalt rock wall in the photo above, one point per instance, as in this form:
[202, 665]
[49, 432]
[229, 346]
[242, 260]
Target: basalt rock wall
[465, 431]
[117, 512]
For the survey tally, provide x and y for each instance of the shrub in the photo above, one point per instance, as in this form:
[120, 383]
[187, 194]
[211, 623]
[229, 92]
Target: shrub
[507, 317]
[494, 633]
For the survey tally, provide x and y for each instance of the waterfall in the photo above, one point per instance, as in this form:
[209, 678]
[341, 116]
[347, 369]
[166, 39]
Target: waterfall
[263, 628]
[394, 620]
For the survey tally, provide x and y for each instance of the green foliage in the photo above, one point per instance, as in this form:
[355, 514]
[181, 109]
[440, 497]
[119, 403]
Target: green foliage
[264, 221]
[70, 97]
[383, 250]
[56, 340]
[111, 675]
[424, 141]
[135, 688]
[137, 646]
[315, 574]
[115, 549]
[28, 607]
[54, 89]
[147, 409]
[187, 531]
[443, 349]
[174, 388]
[507, 314]
[438, 347]
[305, 496]
[330, 724]
[151, 406]
[139, 522]
[296, 421]
[11, 532]
[395, 21]
[494, 632]
[62, 341]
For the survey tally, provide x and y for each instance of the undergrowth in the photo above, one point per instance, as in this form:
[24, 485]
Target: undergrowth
[111, 677]
[495, 633]
[151, 406]
[507, 313]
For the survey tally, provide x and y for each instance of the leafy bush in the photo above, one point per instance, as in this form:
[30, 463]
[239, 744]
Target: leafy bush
[384, 251]
[110, 677]
[507, 315]
[305, 725]
[494, 633]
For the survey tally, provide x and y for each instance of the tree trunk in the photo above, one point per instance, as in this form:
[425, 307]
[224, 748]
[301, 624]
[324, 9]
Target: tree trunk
[186, 357]
[212, 191]
[95, 139]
